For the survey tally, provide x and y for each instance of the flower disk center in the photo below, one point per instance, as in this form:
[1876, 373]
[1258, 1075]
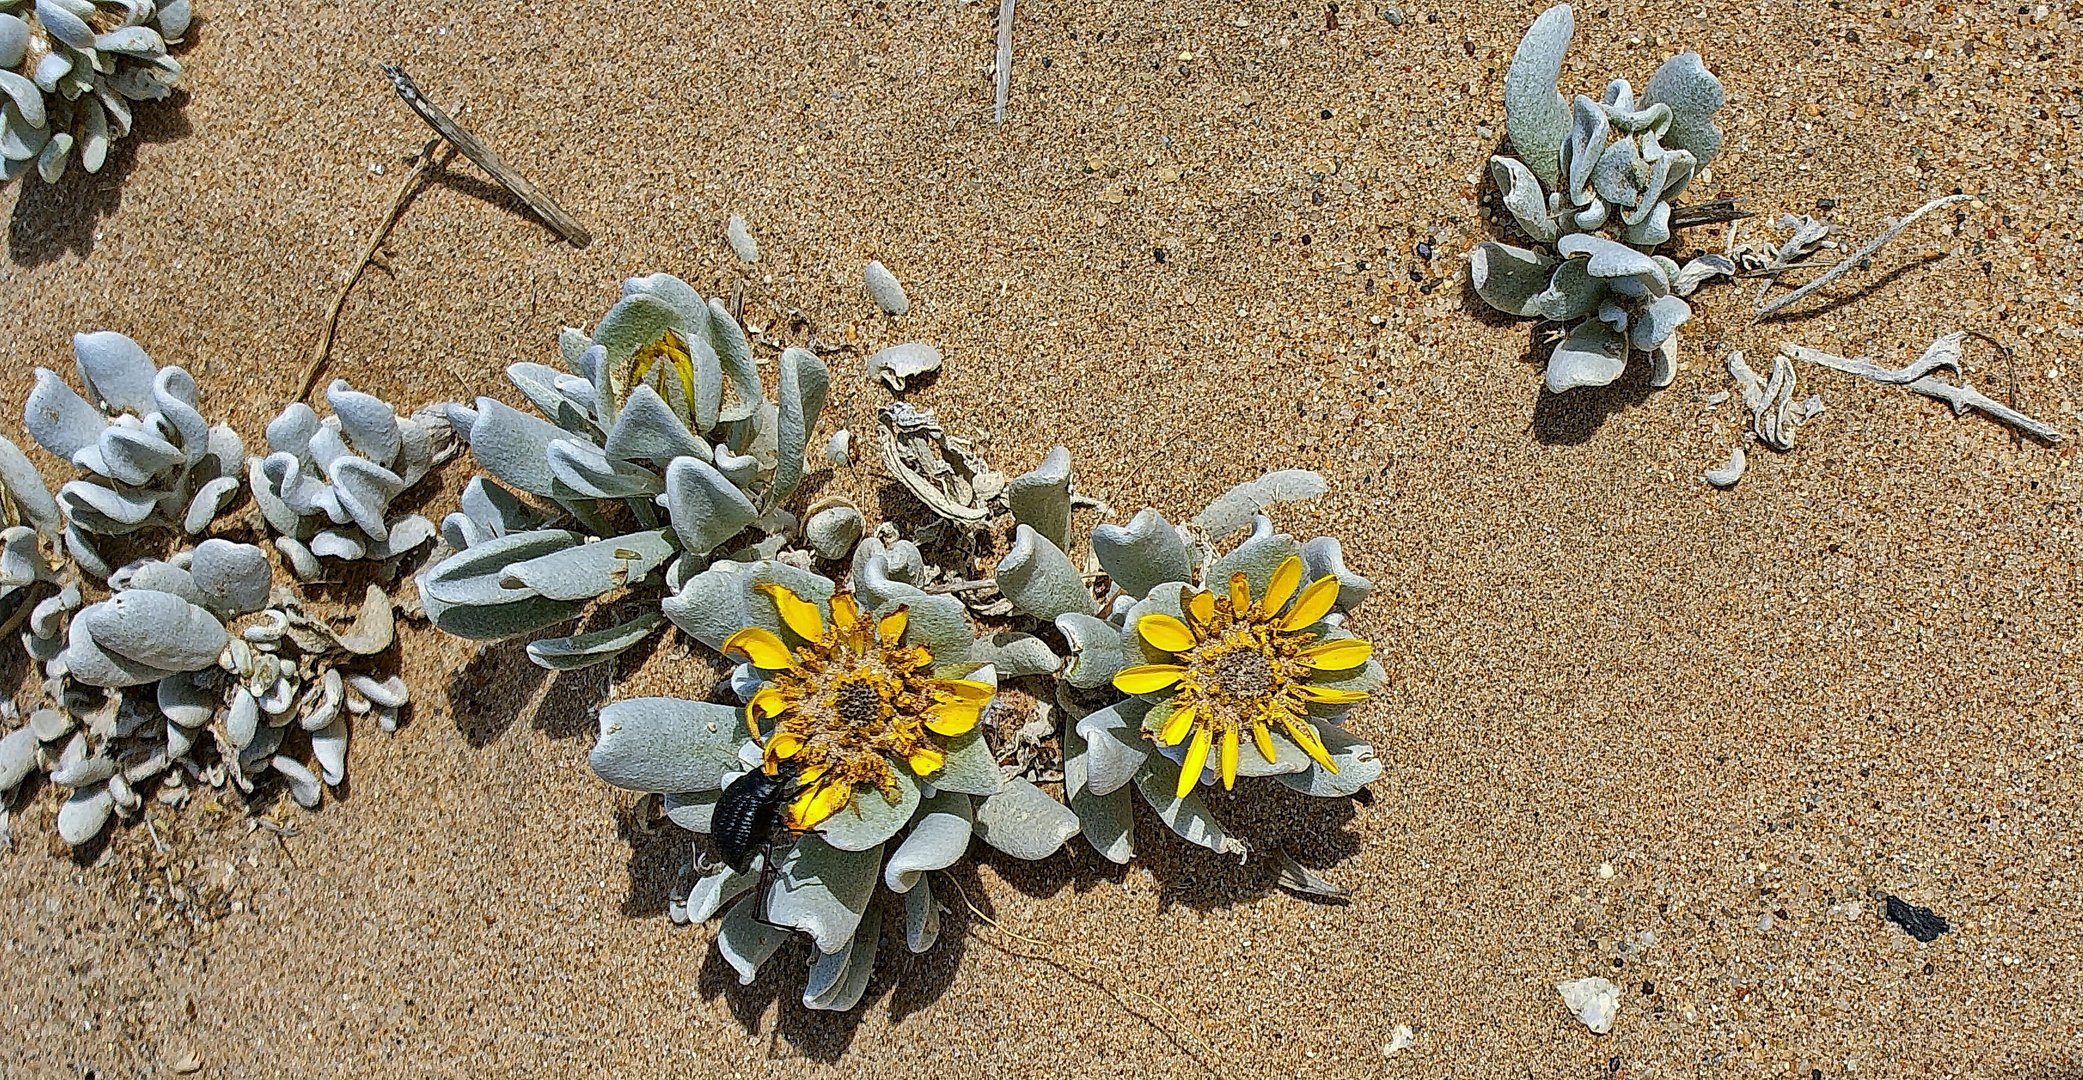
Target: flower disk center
[1243, 673]
[859, 704]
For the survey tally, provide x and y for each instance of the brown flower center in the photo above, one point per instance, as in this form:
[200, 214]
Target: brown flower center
[859, 704]
[1243, 673]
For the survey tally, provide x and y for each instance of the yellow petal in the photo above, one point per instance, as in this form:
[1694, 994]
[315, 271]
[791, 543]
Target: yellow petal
[849, 622]
[1340, 654]
[809, 774]
[1201, 608]
[1282, 588]
[925, 760]
[768, 702]
[968, 690]
[800, 616]
[1196, 760]
[1240, 595]
[817, 804]
[1165, 632]
[784, 745]
[1262, 737]
[1315, 602]
[890, 630]
[1147, 678]
[1305, 736]
[951, 718]
[1176, 725]
[760, 646]
[1229, 759]
[1327, 695]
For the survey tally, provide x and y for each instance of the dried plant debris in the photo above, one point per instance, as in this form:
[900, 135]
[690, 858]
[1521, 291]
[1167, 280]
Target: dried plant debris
[740, 238]
[1857, 257]
[327, 487]
[1592, 187]
[1774, 415]
[897, 365]
[193, 673]
[71, 69]
[1726, 474]
[943, 471]
[29, 523]
[1921, 376]
[1595, 1001]
[852, 757]
[884, 289]
[146, 456]
[656, 445]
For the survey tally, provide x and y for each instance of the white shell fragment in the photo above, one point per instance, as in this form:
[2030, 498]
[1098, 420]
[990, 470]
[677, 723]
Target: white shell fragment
[884, 289]
[1594, 999]
[1726, 475]
[741, 243]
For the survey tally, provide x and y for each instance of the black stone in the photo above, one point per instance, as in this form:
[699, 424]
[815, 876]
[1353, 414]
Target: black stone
[1921, 923]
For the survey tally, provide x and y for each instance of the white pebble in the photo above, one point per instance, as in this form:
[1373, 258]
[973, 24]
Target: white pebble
[741, 242]
[1594, 999]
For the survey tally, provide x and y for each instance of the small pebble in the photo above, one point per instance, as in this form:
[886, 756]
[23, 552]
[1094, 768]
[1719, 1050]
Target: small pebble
[883, 287]
[1393, 15]
[741, 242]
[1399, 1040]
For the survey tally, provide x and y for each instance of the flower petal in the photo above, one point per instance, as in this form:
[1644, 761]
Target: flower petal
[1177, 725]
[1240, 595]
[890, 628]
[967, 690]
[1262, 737]
[1165, 632]
[1229, 758]
[817, 804]
[761, 647]
[847, 618]
[1338, 654]
[1328, 695]
[784, 745]
[1286, 579]
[800, 616]
[1196, 761]
[926, 759]
[1147, 678]
[1201, 607]
[952, 718]
[1305, 736]
[1315, 602]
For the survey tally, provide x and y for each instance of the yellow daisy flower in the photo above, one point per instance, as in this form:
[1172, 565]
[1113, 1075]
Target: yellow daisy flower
[672, 352]
[848, 702]
[1244, 667]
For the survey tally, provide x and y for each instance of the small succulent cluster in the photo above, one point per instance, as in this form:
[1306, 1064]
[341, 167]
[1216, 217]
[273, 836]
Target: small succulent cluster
[866, 703]
[192, 650]
[327, 487]
[28, 518]
[656, 445]
[1593, 187]
[70, 70]
[146, 455]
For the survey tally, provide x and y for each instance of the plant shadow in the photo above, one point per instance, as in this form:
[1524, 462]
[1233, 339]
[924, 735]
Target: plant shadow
[501, 686]
[1572, 418]
[51, 221]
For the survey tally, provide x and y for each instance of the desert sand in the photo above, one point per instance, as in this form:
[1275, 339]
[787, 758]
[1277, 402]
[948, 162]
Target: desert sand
[1636, 727]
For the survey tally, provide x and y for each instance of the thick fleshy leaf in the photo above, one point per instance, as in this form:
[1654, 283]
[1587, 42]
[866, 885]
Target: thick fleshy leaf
[937, 620]
[1571, 292]
[1142, 554]
[592, 569]
[1657, 321]
[667, 744]
[692, 810]
[115, 369]
[836, 981]
[1095, 650]
[803, 380]
[1257, 558]
[739, 368]
[745, 942]
[710, 606]
[1510, 279]
[1239, 505]
[369, 424]
[584, 469]
[1613, 260]
[233, 578]
[971, 769]
[921, 918]
[1016, 655]
[514, 446]
[18, 476]
[132, 456]
[1521, 194]
[58, 418]
[1694, 95]
[822, 890]
[82, 816]
[1287, 757]
[1357, 766]
[1040, 499]
[363, 490]
[1039, 578]
[1107, 820]
[1536, 116]
[1114, 746]
[1166, 599]
[706, 509]
[477, 576]
[1189, 817]
[595, 647]
[1591, 354]
[871, 818]
[936, 840]
[648, 430]
[1024, 822]
[1325, 557]
[154, 628]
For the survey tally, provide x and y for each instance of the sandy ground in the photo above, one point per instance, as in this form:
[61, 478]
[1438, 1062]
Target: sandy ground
[1640, 728]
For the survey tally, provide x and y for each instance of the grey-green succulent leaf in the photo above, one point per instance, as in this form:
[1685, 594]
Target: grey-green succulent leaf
[666, 744]
[1239, 505]
[1257, 558]
[1024, 822]
[872, 817]
[705, 508]
[971, 768]
[823, 891]
[1694, 96]
[1016, 655]
[1511, 279]
[1536, 116]
[1189, 817]
[1523, 198]
[591, 569]
[921, 918]
[1039, 578]
[1357, 766]
[1107, 819]
[716, 889]
[1591, 354]
[595, 647]
[1095, 650]
[745, 942]
[1040, 499]
[1142, 554]
[804, 380]
[837, 980]
[938, 838]
[1325, 557]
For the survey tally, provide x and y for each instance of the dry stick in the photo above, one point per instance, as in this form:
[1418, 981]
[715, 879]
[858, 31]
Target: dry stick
[1091, 978]
[1857, 257]
[406, 187]
[1005, 61]
[473, 148]
[1708, 213]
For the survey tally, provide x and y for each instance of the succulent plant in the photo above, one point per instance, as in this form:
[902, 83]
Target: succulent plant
[148, 457]
[28, 517]
[70, 70]
[1194, 669]
[194, 645]
[327, 487]
[865, 702]
[661, 409]
[1592, 187]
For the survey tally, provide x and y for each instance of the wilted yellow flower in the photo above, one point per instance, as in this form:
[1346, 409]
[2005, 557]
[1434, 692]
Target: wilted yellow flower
[849, 703]
[1245, 667]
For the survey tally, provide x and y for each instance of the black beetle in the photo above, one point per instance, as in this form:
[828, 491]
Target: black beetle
[748, 812]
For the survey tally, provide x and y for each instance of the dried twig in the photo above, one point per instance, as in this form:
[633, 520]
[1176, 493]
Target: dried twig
[1707, 213]
[1922, 377]
[473, 148]
[1004, 63]
[1855, 258]
[324, 350]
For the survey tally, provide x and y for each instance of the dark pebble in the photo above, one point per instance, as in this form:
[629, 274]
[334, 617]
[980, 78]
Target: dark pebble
[1424, 251]
[1826, 203]
[1921, 923]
